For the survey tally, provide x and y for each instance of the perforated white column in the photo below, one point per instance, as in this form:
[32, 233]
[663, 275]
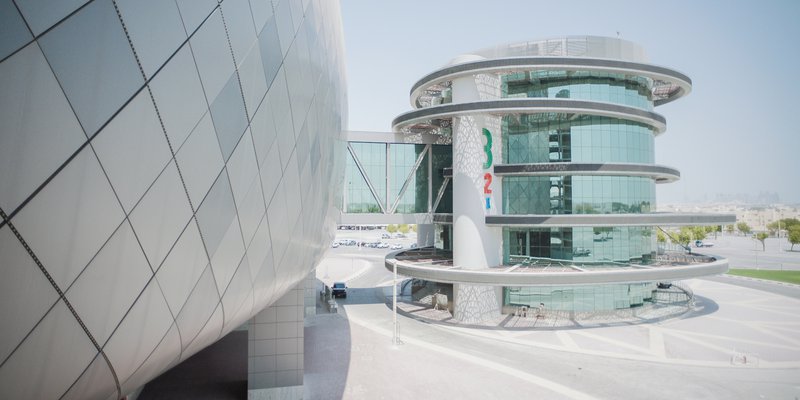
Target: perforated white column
[475, 246]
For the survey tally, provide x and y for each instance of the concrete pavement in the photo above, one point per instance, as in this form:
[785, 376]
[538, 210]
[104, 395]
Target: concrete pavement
[740, 343]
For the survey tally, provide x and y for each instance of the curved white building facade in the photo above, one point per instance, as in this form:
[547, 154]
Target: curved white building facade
[553, 176]
[165, 172]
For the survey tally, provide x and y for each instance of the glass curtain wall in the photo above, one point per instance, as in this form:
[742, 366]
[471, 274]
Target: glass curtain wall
[563, 137]
[580, 298]
[628, 90]
[623, 244]
[399, 169]
[359, 198]
[444, 237]
[442, 158]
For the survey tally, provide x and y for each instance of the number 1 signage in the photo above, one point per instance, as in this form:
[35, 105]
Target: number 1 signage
[487, 177]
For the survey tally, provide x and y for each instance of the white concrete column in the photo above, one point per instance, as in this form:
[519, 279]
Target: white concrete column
[475, 245]
[275, 348]
[425, 235]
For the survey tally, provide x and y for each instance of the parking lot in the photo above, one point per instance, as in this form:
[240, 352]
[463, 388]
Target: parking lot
[746, 252]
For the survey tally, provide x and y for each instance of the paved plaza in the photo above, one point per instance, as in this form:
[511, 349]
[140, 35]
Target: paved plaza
[737, 343]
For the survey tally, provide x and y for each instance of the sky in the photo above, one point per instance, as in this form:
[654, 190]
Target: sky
[737, 132]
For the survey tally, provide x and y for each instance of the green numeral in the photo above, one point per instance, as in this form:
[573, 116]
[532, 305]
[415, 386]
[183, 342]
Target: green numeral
[488, 148]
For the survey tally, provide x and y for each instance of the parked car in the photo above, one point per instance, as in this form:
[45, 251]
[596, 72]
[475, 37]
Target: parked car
[700, 243]
[335, 244]
[397, 246]
[383, 245]
[582, 252]
[386, 236]
[339, 289]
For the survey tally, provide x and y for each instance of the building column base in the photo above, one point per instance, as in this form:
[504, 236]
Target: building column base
[276, 393]
[476, 304]
[276, 345]
[425, 235]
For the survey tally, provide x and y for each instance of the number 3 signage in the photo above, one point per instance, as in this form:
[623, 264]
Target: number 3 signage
[487, 177]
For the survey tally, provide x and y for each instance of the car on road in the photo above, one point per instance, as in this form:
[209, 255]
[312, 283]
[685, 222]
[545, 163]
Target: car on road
[397, 246]
[582, 252]
[335, 244]
[339, 289]
[700, 243]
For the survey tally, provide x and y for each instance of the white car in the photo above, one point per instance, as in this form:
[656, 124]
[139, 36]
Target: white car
[397, 246]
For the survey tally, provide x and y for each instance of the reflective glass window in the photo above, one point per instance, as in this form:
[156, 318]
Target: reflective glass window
[402, 160]
[580, 298]
[442, 158]
[598, 246]
[628, 90]
[372, 157]
[554, 137]
[578, 195]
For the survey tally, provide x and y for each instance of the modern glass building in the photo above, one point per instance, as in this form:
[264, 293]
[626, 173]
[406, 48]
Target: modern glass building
[553, 176]
[165, 175]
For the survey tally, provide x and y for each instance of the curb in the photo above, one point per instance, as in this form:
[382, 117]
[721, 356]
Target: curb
[747, 278]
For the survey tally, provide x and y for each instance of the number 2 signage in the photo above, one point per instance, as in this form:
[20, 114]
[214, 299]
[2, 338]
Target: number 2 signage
[487, 177]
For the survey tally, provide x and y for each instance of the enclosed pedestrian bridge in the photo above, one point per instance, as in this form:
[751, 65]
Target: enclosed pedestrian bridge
[393, 178]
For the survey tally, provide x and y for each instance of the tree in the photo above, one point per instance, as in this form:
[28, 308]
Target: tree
[761, 236]
[391, 228]
[403, 228]
[773, 228]
[729, 228]
[414, 227]
[661, 237]
[684, 237]
[744, 228]
[782, 224]
[794, 235]
[698, 232]
[787, 223]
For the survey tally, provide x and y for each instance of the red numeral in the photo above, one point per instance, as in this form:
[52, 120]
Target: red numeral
[488, 178]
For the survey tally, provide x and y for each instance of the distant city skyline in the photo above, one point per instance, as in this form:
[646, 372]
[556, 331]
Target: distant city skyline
[734, 134]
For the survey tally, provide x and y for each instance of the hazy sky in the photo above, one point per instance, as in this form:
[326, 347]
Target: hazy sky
[737, 131]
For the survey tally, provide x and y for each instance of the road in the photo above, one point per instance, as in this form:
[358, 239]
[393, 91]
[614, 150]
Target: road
[745, 252]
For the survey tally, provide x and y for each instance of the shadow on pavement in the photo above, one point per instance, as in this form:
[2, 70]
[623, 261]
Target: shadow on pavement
[703, 306]
[327, 344]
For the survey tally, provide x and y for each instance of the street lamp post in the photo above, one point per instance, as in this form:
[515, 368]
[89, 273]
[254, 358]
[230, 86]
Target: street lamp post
[396, 337]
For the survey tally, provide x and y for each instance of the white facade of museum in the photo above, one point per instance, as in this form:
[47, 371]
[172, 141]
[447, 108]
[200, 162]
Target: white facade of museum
[165, 174]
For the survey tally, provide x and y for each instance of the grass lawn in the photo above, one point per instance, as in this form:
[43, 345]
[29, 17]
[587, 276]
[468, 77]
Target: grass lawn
[780, 276]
